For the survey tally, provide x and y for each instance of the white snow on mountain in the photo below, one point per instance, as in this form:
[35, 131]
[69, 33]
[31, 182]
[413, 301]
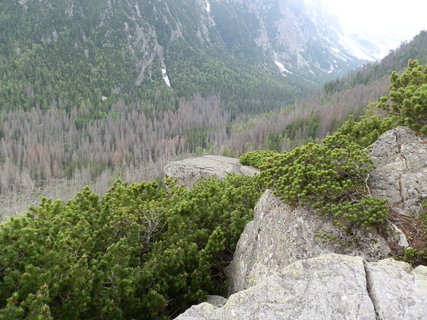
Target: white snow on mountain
[282, 67]
[364, 43]
[166, 78]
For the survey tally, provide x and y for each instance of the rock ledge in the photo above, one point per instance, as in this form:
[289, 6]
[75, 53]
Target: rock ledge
[328, 287]
[189, 171]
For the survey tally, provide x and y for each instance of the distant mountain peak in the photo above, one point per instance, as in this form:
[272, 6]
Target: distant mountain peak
[134, 48]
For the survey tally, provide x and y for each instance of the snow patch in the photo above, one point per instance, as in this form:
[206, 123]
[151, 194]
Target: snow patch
[282, 67]
[103, 98]
[341, 56]
[166, 78]
[138, 11]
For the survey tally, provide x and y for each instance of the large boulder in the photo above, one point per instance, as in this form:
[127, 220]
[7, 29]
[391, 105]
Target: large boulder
[280, 235]
[286, 265]
[400, 156]
[189, 171]
[328, 287]
[397, 290]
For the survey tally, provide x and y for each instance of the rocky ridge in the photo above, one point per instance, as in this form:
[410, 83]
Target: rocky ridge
[400, 157]
[328, 287]
[189, 171]
[153, 39]
[280, 235]
[291, 264]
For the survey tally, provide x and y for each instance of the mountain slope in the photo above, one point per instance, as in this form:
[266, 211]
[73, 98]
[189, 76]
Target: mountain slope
[322, 113]
[71, 53]
[397, 60]
[301, 37]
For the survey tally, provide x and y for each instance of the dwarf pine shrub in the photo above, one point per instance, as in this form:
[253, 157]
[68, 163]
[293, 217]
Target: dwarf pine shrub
[257, 158]
[139, 252]
[360, 133]
[408, 97]
[329, 180]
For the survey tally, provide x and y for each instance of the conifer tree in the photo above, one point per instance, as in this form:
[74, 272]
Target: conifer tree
[408, 97]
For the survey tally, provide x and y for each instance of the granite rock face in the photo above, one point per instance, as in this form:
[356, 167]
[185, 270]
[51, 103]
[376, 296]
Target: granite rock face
[400, 156]
[397, 290]
[280, 235]
[189, 171]
[290, 263]
[328, 287]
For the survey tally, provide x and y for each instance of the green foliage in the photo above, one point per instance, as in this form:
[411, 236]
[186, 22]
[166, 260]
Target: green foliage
[331, 87]
[329, 180]
[408, 97]
[273, 142]
[326, 236]
[141, 251]
[294, 129]
[361, 133]
[395, 60]
[415, 257]
[257, 158]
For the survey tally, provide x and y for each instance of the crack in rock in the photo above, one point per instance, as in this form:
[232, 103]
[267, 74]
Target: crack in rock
[401, 191]
[369, 290]
[400, 174]
[399, 149]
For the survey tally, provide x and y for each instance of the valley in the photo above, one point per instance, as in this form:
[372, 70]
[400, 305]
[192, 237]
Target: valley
[155, 155]
[133, 142]
[91, 92]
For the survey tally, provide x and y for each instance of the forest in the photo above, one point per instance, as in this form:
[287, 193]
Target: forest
[133, 141]
[87, 118]
[149, 250]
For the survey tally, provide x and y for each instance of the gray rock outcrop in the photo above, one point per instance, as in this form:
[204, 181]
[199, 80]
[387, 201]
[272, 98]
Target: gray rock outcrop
[290, 263]
[328, 287]
[397, 290]
[400, 156]
[280, 235]
[189, 171]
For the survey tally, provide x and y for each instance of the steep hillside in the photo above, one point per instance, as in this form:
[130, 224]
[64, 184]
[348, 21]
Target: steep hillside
[302, 38]
[256, 55]
[395, 60]
[83, 147]
[322, 113]
[150, 250]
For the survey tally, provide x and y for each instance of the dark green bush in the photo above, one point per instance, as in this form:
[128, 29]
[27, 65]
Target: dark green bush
[408, 97]
[361, 133]
[417, 254]
[140, 252]
[329, 180]
[257, 158]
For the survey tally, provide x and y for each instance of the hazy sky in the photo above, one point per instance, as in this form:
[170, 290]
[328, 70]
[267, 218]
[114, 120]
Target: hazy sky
[402, 19]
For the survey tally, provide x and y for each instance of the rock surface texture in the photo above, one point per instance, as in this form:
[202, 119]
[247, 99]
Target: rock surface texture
[328, 287]
[400, 156]
[398, 291]
[280, 235]
[290, 263]
[189, 171]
